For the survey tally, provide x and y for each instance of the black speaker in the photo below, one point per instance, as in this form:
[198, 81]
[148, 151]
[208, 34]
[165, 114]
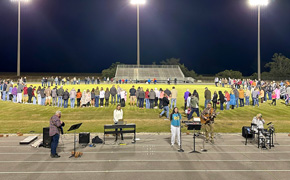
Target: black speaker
[84, 138]
[46, 137]
[246, 130]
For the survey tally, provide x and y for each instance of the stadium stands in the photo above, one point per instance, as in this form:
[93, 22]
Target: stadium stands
[145, 72]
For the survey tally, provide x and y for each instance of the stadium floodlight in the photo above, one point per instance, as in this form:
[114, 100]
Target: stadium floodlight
[137, 3]
[259, 3]
[18, 44]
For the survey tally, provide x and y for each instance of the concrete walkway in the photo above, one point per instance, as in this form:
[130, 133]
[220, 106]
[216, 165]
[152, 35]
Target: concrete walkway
[150, 158]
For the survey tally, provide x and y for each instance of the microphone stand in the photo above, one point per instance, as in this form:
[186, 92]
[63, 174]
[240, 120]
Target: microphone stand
[180, 147]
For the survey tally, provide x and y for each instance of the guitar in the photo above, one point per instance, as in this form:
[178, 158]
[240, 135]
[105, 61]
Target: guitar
[208, 117]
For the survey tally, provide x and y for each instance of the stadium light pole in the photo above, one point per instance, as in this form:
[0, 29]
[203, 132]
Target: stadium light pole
[138, 3]
[18, 43]
[259, 3]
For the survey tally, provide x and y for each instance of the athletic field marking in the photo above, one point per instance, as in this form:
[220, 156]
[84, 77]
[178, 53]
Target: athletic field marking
[87, 161]
[137, 171]
[152, 146]
[152, 151]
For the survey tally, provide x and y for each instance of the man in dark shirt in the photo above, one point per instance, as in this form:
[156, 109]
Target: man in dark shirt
[113, 92]
[54, 133]
[165, 106]
[132, 96]
[29, 92]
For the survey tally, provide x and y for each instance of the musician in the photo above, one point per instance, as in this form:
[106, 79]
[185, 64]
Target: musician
[175, 119]
[54, 132]
[259, 125]
[258, 121]
[118, 114]
[208, 114]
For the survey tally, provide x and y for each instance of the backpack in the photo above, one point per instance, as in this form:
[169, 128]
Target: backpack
[97, 140]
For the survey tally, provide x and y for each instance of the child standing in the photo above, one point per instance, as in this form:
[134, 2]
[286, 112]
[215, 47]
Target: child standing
[274, 96]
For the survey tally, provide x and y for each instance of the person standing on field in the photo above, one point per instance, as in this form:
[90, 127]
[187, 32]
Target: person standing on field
[175, 119]
[173, 97]
[113, 93]
[132, 92]
[48, 96]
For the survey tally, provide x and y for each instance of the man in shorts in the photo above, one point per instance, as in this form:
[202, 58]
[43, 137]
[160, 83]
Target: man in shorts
[48, 95]
[132, 96]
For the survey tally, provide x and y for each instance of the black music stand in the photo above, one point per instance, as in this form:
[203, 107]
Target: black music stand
[194, 127]
[180, 147]
[74, 127]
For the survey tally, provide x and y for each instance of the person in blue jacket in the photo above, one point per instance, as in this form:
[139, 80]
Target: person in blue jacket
[232, 99]
[175, 119]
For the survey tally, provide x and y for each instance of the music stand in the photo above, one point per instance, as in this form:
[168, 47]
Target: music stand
[180, 147]
[194, 127]
[74, 127]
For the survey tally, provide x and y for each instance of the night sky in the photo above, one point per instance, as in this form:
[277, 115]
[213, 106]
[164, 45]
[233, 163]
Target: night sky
[89, 35]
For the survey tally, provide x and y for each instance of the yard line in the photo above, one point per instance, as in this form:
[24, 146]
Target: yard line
[152, 151]
[166, 160]
[139, 171]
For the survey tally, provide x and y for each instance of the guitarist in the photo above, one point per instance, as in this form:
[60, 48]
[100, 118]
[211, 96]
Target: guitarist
[208, 114]
[54, 132]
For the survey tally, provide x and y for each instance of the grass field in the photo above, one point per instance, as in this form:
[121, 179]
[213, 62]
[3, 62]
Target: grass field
[28, 118]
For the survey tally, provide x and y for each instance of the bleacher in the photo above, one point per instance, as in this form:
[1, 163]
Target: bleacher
[144, 72]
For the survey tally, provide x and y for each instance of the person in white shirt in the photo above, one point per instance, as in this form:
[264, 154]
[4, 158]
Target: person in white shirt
[260, 125]
[118, 114]
[123, 97]
[259, 121]
[102, 96]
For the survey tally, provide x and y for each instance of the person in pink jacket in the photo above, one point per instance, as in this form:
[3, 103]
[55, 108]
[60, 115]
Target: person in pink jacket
[277, 92]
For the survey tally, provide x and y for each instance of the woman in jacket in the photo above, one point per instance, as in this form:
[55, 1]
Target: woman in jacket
[227, 97]
[83, 99]
[222, 100]
[79, 96]
[241, 97]
[102, 96]
[107, 97]
[277, 92]
[88, 98]
[147, 99]
[14, 93]
[232, 99]
[214, 99]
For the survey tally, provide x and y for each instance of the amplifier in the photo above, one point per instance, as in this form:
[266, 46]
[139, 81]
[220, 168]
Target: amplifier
[84, 138]
[46, 137]
[246, 130]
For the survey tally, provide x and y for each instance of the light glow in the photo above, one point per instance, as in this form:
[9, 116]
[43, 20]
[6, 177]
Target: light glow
[259, 2]
[21, 0]
[138, 1]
